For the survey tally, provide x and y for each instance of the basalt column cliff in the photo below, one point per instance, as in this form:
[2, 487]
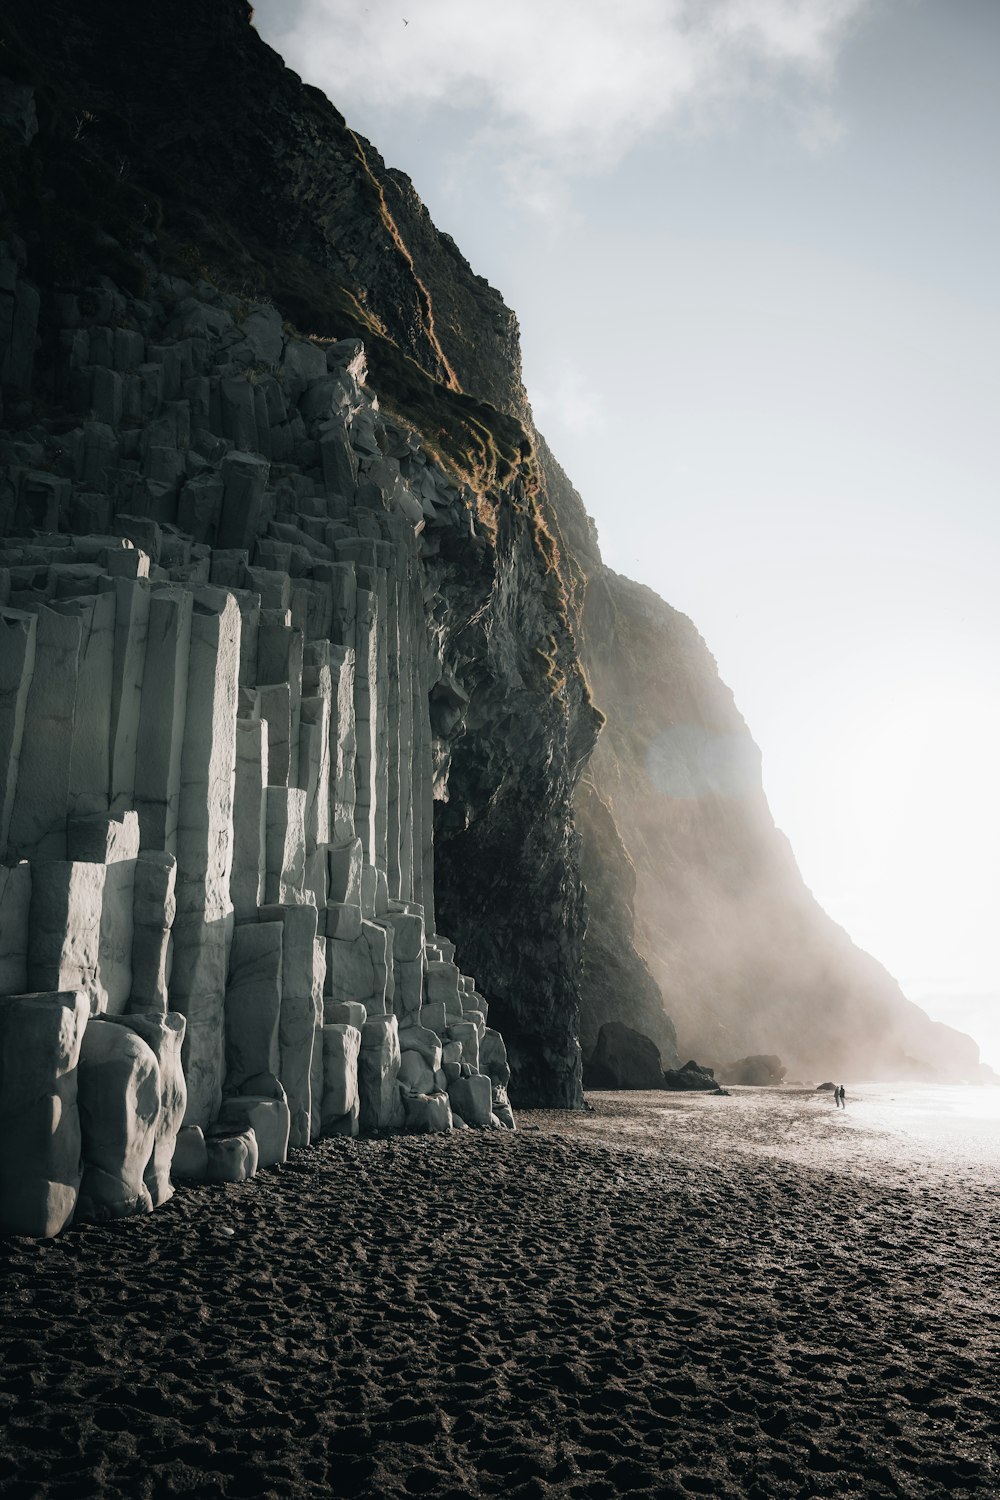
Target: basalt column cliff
[253, 627]
[295, 606]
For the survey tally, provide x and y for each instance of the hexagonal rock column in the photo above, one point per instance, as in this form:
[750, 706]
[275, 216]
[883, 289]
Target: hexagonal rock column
[378, 1073]
[253, 1002]
[301, 1019]
[40, 1152]
[17, 665]
[472, 1098]
[341, 1106]
[119, 1096]
[202, 930]
[112, 843]
[38, 817]
[162, 714]
[163, 1036]
[64, 928]
[154, 906]
[15, 904]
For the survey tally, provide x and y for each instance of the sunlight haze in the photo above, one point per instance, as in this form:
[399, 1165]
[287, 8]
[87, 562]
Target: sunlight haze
[752, 245]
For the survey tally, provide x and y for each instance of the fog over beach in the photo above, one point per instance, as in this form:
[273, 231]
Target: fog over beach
[750, 1296]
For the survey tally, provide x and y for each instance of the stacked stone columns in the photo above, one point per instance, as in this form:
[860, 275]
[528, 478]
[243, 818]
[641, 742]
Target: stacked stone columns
[216, 772]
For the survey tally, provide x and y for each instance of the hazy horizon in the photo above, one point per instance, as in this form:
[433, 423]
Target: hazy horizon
[751, 245]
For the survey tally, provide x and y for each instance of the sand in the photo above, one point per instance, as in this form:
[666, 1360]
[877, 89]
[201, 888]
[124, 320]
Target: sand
[670, 1296]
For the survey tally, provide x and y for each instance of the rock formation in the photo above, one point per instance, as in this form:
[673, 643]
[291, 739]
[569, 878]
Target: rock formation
[623, 1059]
[292, 666]
[692, 1078]
[219, 760]
[758, 1072]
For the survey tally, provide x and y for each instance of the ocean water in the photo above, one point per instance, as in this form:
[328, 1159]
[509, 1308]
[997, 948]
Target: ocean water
[958, 1120]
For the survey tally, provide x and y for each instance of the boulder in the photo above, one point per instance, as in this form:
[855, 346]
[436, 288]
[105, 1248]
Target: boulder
[268, 1120]
[190, 1163]
[427, 1043]
[164, 1036]
[40, 1152]
[473, 1099]
[415, 1076]
[691, 1077]
[501, 1107]
[119, 1096]
[623, 1059]
[762, 1070]
[426, 1114]
[493, 1057]
[229, 1157]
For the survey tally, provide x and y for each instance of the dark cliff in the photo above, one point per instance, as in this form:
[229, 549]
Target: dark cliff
[744, 959]
[175, 140]
[171, 138]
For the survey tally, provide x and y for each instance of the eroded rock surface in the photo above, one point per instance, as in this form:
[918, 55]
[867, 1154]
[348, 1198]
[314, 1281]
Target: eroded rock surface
[623, 1059]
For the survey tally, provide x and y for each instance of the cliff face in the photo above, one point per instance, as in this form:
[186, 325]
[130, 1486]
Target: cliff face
[177, 156]
[258, 185]
[743, 958]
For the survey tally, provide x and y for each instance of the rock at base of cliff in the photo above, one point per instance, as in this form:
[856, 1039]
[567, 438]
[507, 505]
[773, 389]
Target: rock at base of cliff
[119, 1098]
[623, 1059]
[691, 1078]
[472, 1098]
[763, 1070]
[190, 1163]
[501, 1107]
[381, 1108]
[266, 1118]
[427, 1114]
[230, 1158]
[164, 1036]
[40, 1040]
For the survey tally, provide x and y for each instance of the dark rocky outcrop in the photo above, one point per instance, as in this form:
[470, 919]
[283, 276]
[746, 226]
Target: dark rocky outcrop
[258, 191]
[623, 1059]
[757, 1072]
[692, 1078]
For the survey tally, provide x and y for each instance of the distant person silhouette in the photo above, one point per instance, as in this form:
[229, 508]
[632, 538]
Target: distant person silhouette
[840, 1094]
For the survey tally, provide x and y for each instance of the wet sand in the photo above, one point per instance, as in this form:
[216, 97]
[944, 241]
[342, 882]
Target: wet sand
[668, 1297]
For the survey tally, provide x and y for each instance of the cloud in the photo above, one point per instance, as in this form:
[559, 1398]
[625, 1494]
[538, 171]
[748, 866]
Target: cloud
[571, 84]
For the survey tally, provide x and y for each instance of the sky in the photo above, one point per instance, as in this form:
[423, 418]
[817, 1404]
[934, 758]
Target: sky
[753, 249]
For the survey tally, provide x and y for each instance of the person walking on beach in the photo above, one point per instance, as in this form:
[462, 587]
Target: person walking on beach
[839, 1094]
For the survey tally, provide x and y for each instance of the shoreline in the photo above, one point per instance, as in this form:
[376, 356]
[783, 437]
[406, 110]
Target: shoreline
[662, 1297]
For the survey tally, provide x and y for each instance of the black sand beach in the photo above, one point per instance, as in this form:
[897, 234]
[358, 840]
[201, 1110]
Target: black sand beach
[670, 1296]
